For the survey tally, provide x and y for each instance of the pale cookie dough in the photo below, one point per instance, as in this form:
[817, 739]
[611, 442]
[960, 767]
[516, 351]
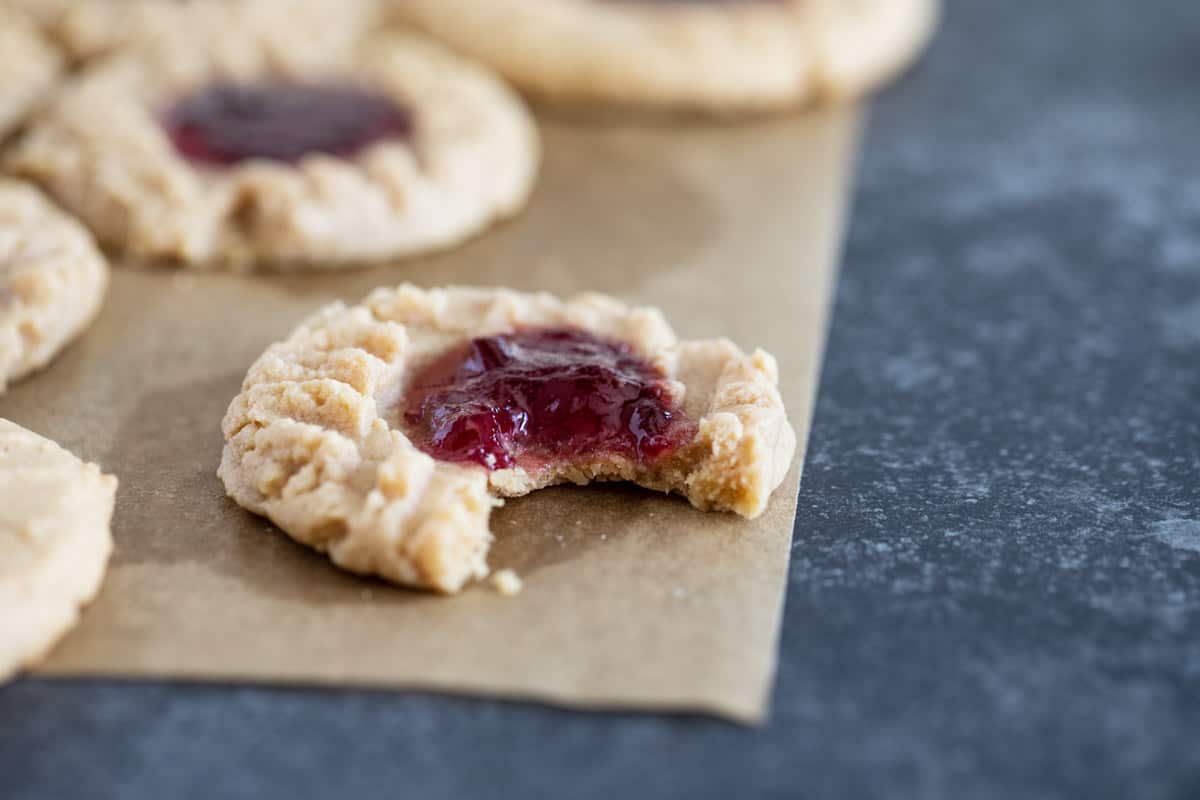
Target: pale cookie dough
[719, 56]
[52, 280]
[309, 29]
[315, 441]
[102, 150]
[29, 67]
[45, 12]
[55, 542]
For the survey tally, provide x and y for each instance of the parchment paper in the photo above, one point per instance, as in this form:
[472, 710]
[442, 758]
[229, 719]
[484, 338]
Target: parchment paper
[631, 600]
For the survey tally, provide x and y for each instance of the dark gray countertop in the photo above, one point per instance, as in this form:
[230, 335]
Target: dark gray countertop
[996, 579]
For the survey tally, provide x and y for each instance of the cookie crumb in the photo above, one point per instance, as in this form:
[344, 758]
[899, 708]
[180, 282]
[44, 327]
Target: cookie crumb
[507, 582]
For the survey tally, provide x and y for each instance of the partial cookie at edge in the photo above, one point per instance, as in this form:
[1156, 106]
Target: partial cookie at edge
[52, 280]
[714, 57]
[862, 44]
[315, 30]
[30, 69]
[55, 542]
[100, 149]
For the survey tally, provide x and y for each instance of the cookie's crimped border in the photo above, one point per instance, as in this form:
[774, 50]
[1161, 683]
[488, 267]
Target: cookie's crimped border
[31, 67]
[309, 446]
[55, 561]
[52, 280]
[100, 150]
[719, 57]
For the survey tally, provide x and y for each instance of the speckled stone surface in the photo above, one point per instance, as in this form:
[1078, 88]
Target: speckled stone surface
[996, 580]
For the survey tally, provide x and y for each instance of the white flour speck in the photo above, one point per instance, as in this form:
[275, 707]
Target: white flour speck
[1178, 532]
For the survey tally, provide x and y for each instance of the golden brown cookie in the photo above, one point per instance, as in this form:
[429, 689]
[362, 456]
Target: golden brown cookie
[180, 154]
[380, 433]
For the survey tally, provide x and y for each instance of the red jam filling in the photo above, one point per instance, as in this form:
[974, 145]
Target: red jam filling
[542, 395]
[223, 124]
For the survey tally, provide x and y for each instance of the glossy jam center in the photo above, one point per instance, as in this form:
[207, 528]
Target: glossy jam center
[542, 395]
[227, 123]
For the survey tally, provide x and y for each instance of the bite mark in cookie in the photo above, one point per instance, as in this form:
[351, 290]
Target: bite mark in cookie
[381, 433]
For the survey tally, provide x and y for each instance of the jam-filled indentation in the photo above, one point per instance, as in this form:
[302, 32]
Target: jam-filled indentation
[543, 395]
[226, 123]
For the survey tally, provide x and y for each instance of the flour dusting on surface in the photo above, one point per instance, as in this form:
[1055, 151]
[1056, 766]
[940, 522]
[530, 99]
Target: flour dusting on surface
[1178, 532]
